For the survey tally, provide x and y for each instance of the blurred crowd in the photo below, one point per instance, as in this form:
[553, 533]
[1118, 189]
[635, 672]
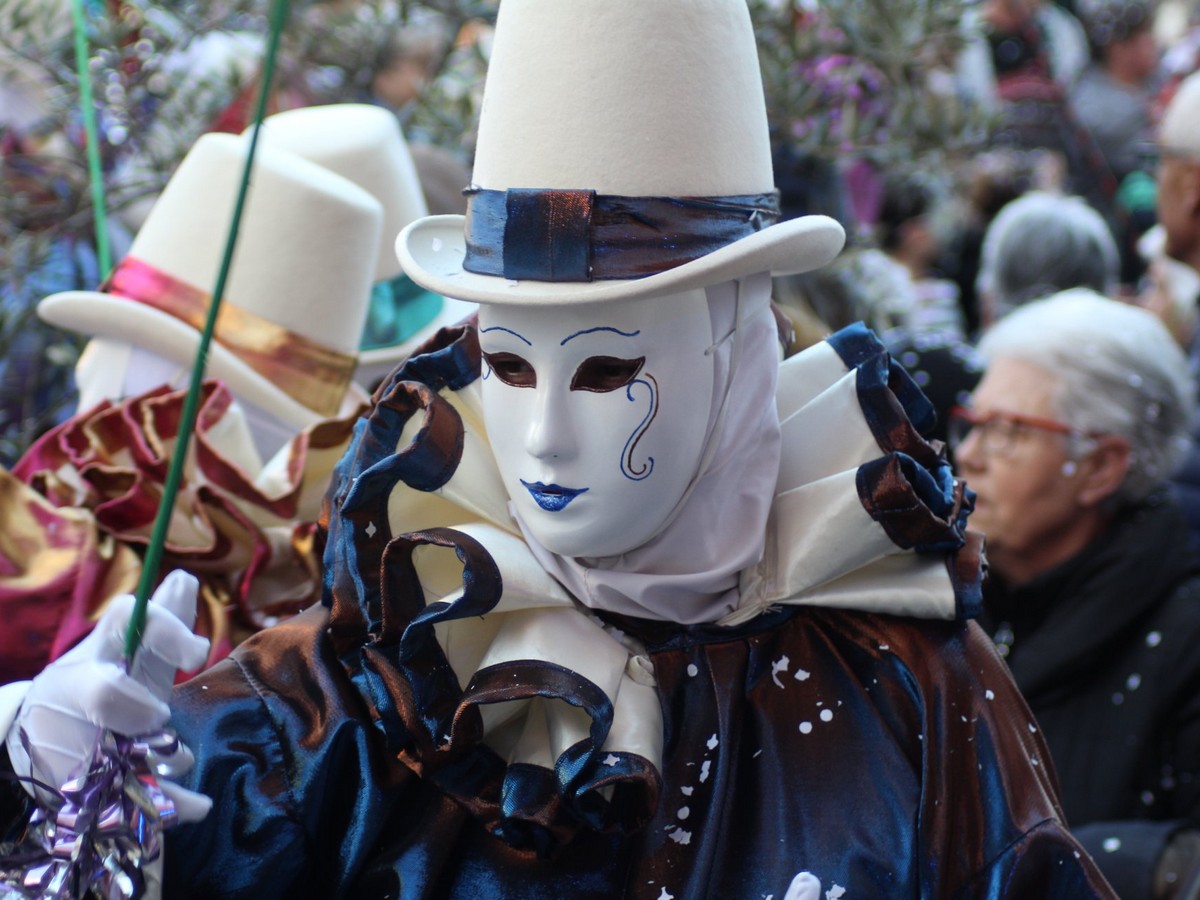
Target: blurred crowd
[1044, 296]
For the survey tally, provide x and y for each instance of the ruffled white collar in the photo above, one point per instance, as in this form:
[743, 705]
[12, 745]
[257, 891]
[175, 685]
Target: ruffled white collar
[823, 547]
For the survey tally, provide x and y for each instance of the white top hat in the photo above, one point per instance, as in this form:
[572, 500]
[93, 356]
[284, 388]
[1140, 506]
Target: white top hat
[623, 151]
[365, 144]
[297, 291]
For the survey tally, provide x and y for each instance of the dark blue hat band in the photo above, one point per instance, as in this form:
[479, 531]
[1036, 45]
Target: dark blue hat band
[556, 235]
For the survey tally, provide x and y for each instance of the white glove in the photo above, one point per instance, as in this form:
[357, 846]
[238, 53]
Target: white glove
[807, 886]
[87, 690]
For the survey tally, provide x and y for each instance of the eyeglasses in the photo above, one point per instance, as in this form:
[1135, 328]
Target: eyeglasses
[1000, 431]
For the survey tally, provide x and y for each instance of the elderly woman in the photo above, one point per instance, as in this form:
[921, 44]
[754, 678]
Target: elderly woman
[1092, 597]
[1041, 243]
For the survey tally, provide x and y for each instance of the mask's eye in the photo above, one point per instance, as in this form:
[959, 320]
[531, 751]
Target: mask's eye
[605, 373]
[512, 369]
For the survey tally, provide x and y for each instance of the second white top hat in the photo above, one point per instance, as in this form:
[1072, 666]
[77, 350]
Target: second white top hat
[296, 294]
[366, 145]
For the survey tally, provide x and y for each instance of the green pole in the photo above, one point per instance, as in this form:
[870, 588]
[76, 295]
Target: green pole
[88, 108]
[158, 536]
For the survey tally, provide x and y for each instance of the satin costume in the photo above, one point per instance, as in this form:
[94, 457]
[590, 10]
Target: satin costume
[453, 724]
[78, 508]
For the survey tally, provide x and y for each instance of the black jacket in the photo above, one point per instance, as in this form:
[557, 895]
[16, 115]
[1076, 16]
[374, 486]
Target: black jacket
[1106, 650]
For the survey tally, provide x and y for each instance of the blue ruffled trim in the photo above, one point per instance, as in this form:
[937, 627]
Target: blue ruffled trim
[968, 578]
[935, 489]
[911, 490]
[384, 633]
[860, 348]
[363, 478]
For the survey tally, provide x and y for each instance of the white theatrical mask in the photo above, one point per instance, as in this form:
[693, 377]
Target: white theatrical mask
[597, 415]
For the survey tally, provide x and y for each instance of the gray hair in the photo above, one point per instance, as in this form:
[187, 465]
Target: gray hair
[1041, 243]
[1107, 22]
[1119, 372]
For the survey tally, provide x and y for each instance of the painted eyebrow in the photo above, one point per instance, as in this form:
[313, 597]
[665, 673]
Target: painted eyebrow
[519, 337]
[572, 337]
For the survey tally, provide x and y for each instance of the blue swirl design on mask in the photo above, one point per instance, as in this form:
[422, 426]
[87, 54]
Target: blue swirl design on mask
[627, 468]
[571, 337]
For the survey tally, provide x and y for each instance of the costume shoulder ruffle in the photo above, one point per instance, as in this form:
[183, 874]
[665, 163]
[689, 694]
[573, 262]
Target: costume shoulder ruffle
[80, 506]
[868, 514]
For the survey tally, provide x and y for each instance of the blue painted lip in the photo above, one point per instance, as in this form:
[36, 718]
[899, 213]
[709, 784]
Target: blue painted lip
[552, 497]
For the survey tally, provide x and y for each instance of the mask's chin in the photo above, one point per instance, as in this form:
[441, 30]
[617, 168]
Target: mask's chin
[581, 539]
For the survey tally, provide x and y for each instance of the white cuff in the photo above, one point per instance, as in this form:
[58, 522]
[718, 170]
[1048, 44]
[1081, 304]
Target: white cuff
[11, 696]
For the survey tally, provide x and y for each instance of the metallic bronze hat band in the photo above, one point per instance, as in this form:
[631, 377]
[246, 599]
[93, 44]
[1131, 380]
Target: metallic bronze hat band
[313, 375]
[557, 235]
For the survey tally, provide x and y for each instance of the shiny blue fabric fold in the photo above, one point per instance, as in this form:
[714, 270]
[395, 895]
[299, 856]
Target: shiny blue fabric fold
[385, 638]
[579, 235]
[883, 383]
[915, 505]
[911, 491]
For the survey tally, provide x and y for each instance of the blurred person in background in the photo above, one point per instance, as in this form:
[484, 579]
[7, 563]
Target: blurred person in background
[1112, 97]
[1113, 100]
[1178, 201]
[1174, 251]
[1039, 244]
[1013, 42]
[408, 62]
[989, 182]
[899, 288]
[1092, 596]
[1020, 60]
[406, 65]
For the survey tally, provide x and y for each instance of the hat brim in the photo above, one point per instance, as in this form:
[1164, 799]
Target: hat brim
[107, 316]
[431, 252]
